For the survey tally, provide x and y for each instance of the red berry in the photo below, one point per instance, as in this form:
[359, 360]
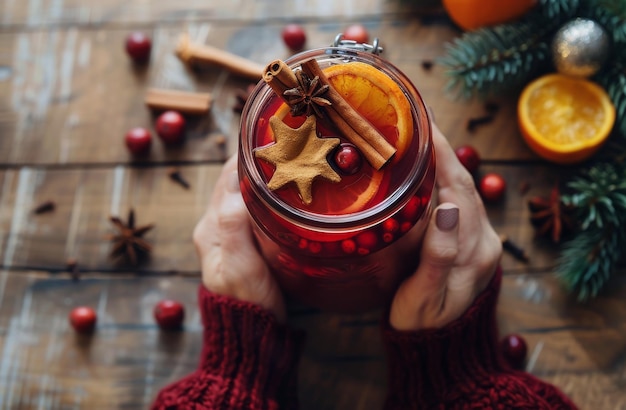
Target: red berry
[170, 126]
[406, 226]
[367, 240]
[357, 33]
[294, 36]
[315, 247]
[468, 157]
[138, 47]
[83, 319]
[348, 159]
[514, 350]
[348, 246]
[391, 225]
[138, 140]
[492, 187]
[169, 314]
[412, 208]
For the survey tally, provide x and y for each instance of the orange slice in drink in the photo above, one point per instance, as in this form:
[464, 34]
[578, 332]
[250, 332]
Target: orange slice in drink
[378, 98]
[565, 119]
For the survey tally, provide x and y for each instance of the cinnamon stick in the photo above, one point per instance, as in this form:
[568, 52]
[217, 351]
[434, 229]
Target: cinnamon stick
[352, 124]
[192, 53]
[181, 101]
[280, 77]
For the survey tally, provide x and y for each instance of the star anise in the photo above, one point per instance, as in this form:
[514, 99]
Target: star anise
[306, 97]
[129, 240]
[551, 216]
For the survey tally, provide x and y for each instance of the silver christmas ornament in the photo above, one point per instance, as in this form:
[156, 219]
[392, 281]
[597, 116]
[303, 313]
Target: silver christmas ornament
[580, 48]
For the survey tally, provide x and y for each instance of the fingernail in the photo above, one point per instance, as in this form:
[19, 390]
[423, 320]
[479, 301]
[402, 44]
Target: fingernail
[447, 218]
[232, 183]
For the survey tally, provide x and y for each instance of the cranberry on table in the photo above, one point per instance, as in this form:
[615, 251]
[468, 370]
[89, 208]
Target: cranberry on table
[83, 319]
[348, 159]
[492, 187]
[138, 47]
[169, 314]
[294, 36]
[357, 33]
[514, 350]
[170, 127]
[469, 157]
[138, 140]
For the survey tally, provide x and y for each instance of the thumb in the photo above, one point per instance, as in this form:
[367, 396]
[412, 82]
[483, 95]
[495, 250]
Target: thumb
[420, 297]
[234, 227]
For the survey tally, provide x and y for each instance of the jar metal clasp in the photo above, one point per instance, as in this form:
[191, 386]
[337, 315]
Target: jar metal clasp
[373, 48]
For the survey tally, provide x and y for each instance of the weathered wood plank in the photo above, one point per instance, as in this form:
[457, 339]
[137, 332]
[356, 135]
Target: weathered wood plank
[50, 12]
[70, 95]
[84, 201]
[580, 347]
[85, 198]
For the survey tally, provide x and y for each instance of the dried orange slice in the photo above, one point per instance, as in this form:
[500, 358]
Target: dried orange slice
[378, 98]
[565, 119]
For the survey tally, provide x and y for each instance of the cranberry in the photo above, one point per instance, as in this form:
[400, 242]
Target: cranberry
[348, 159]
[367, 240]
[514, 350]
[357, 33]
[170, 126]
[138, 140]
[138, 47]
[83, 319]
[294, 36]
[348, 246]
[169, 314]
[412, 208]
[492, 187]
[468, 157]
[391, 225]
[315, 247]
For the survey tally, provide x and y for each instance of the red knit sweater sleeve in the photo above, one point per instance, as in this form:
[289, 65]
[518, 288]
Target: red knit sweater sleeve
[249, 361]
[460, 367]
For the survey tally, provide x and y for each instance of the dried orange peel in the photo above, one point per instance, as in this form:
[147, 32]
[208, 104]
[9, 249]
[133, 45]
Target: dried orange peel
[564, 119]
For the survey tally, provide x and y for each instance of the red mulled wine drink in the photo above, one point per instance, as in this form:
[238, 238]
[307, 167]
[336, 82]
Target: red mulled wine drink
[337, 171]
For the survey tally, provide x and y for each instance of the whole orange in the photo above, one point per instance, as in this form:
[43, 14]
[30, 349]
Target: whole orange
[473, 14]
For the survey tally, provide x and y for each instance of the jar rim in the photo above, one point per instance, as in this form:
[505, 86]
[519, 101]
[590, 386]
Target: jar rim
[371, 215]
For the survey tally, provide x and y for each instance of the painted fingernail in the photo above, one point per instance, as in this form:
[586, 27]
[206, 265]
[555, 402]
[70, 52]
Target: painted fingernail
[447, 218]
[232, 183]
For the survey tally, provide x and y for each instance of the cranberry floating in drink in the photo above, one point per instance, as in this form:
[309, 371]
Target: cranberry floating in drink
[337, 170]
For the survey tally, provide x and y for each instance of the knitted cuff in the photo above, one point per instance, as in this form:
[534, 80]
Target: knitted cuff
[245, 343]
[426, 363]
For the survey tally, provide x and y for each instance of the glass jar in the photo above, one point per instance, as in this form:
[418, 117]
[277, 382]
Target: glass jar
[349, 262]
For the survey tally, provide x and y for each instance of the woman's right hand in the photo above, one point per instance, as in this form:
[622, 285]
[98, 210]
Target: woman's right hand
[459, 255]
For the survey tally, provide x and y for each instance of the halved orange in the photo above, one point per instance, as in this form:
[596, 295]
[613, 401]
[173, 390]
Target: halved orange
[565, 119]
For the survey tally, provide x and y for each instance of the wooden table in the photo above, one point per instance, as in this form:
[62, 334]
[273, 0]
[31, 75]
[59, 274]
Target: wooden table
[67, 96]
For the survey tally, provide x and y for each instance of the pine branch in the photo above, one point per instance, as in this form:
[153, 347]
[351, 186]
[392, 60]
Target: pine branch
[558, 10]
[494, 60]
[599, 196]
[611, 14]
[588, 261]
[590, 258]
[613, 79]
